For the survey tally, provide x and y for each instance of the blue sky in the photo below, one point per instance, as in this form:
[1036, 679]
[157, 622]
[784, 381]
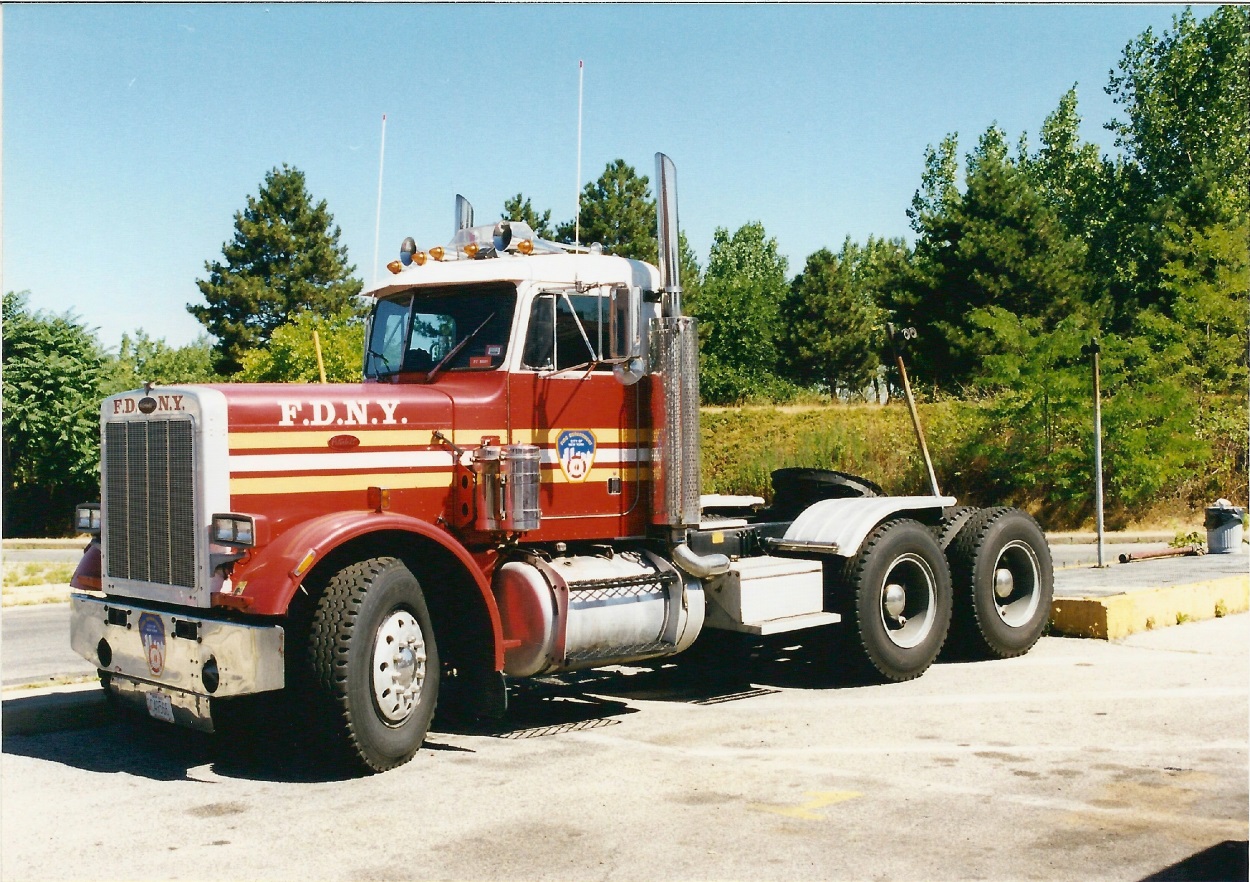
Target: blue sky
[133, 133]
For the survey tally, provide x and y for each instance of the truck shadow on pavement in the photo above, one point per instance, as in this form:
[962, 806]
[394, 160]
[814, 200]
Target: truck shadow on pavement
[728, 668]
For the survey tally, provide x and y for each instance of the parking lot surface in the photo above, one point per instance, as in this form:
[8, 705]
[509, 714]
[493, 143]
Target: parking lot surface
[1082, 760]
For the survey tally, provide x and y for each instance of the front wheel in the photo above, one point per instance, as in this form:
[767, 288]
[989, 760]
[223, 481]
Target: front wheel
[897, 594]
[375, 662]
[1004, 583]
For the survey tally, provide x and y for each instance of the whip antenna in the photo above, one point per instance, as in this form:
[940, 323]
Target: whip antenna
[577, 215]
[377, 224]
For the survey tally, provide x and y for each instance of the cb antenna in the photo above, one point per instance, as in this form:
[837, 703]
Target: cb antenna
[377, 224]
[577, 214]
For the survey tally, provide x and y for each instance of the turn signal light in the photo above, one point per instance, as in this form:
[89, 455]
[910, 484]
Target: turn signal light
[379, 498]
[304, 565]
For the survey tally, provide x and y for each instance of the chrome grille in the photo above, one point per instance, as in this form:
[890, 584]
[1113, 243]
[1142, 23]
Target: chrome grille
[149, 497]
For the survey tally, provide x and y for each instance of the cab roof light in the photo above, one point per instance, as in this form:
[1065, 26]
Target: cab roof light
[406, 250]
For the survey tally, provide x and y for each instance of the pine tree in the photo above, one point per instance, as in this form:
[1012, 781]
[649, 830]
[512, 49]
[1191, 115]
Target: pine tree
[285, 257]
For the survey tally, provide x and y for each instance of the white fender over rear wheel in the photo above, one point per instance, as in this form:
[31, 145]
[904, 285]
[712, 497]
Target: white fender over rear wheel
[1004, 583]
[896, 594]
[373, 654]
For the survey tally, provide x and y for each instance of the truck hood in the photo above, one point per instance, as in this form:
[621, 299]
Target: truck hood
[351, 409]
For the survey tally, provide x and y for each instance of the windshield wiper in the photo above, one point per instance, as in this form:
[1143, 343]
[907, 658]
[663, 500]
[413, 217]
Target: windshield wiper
[385, 361]
[455, 350]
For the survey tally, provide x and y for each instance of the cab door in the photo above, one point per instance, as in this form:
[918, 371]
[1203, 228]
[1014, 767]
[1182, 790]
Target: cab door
[586, 422]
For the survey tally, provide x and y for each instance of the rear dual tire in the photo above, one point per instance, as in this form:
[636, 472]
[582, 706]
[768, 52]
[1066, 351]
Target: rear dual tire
[1003, 582]
[896, 596]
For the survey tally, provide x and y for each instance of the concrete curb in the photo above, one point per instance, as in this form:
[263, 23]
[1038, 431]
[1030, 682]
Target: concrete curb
[1118, 615]
[53, 709]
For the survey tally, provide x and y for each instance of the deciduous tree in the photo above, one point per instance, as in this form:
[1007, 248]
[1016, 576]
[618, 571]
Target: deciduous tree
[53, 379]
[291, 356]
[739, 310]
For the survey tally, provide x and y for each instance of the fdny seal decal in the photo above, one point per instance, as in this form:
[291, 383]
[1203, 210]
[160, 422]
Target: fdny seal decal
[576, 449]
[152, 633]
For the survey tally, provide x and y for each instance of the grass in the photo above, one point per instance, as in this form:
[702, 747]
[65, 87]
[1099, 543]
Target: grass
[741, 446]
[20, 575]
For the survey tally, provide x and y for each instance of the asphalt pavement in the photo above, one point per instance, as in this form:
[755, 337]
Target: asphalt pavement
[1084, 759]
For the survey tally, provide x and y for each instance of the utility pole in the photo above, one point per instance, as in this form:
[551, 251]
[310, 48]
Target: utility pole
[1093, 349]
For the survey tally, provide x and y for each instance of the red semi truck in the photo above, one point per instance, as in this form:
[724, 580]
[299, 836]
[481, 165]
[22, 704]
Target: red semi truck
[512, 491]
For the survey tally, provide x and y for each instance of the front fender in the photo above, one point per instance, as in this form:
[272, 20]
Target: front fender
[839, 526]
[266, 579]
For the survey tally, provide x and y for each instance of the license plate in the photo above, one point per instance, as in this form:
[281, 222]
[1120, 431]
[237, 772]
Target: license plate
[160, 706]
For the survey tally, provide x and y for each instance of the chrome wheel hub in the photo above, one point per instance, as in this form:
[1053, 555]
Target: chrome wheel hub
[1017, 584]
[908, 601]
[398, 673]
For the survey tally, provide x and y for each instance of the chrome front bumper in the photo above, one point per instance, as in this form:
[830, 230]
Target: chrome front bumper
[149, 653]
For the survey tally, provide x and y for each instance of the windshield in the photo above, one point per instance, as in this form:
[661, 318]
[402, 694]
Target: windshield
[419, 330]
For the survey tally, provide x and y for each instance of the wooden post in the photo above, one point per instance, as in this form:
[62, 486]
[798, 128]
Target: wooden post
[321, 365]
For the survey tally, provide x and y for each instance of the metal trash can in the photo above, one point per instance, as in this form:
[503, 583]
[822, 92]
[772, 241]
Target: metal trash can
[1224, 527]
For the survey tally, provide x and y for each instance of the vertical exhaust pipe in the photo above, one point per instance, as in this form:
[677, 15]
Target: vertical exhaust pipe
[674, 378]
[667, 233]
[464, 213]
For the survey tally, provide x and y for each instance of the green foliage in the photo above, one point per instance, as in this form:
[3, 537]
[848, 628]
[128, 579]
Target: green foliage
[291, 355]
[1187, 540]
[1187, 98]
[519, 208]
[739, 313]
[1034, 444]
[285, 257]
[53, 380]
[618, 212]
[140, 359]
[832, 324]
[997, 244]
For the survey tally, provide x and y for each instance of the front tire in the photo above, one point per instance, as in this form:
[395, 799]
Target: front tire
[896, 593]
[374, 663]
[1004, 583]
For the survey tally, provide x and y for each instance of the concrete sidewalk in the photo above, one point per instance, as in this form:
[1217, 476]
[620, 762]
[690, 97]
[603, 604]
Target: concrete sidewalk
[1119, 599]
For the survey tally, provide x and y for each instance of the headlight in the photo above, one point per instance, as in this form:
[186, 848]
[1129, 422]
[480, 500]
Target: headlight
[87, 518]
[233, 529]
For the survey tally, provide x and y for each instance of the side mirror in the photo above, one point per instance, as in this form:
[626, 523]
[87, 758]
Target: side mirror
[625, 323]
[625, 334]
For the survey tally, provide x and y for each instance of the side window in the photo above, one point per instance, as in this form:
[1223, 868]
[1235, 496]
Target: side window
[540, 339]
[568, 331]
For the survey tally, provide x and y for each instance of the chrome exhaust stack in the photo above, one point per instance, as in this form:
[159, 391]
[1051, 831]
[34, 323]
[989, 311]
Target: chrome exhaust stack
[667, 233]
[464, 213]
[674, 372]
